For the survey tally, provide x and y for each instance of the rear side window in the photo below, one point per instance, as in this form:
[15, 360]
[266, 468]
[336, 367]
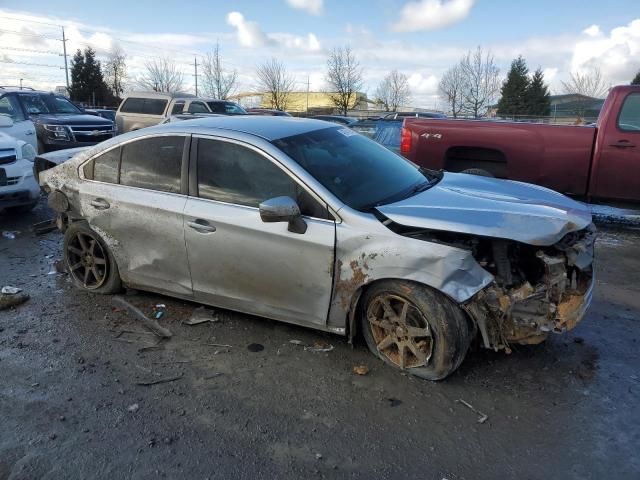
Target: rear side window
[148, 106]
[177, 108]
[104, 168]
[198, 107]
[153, 163]
[629, 119]
[231, 173]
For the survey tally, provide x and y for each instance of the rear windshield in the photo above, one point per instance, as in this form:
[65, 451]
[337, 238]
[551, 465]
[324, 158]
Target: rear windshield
[148, 106]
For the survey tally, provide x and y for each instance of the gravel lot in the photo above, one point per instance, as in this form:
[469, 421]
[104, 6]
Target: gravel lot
[72, 404]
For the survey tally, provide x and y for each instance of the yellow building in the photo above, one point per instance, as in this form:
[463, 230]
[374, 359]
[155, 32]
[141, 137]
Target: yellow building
[300, 102]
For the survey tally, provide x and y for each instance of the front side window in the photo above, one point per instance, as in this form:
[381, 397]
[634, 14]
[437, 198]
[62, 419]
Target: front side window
[153, 163]
[9, 106]
[232, 173]
[198, 107]
[629, 119]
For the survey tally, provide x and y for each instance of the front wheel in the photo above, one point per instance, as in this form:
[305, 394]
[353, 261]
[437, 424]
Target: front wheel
[88, 260]
[414, 328]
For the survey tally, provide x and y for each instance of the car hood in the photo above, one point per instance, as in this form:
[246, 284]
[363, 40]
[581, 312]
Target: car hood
[61, 156]
[71, 119]
[493, 208]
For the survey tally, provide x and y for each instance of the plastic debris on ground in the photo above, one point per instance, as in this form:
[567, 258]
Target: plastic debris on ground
[10, 235]
[201, 315]
[361, 370]
[11, 297]
[319, 347]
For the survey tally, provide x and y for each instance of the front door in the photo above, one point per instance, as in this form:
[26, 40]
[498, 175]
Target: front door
[618, 174]
[239, 262]
[135, 202]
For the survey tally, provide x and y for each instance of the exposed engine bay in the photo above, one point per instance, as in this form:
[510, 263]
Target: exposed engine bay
[536, 290]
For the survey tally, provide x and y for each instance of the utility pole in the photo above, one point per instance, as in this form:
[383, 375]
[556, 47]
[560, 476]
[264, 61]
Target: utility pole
[66, 67]
[21, 84]
[195, 66]
[307, 93]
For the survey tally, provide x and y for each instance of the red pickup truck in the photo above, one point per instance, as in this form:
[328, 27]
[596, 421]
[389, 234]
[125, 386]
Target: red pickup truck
[600, 161]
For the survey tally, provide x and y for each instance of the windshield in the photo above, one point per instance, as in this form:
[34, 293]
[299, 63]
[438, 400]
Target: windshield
[355, 169]
[226, 107]
[37, 103]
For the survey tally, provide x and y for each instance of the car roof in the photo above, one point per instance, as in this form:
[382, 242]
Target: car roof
[176, 95]
[269, 128]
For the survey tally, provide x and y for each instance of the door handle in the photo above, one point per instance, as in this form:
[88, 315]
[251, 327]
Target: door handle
[99, 204]
[201, 226]
[622, 144]
[30, 132]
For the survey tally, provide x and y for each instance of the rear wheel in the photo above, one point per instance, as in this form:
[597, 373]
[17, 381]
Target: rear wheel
[414, 328]
[88, 260]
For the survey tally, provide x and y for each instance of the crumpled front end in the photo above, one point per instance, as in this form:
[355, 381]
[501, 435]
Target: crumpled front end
[537, 290]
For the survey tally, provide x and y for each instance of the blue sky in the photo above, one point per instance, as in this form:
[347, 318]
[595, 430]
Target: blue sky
[560, 36]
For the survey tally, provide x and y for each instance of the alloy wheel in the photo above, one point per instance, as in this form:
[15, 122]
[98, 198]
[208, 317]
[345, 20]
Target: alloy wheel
[400, 331]
[87, 260]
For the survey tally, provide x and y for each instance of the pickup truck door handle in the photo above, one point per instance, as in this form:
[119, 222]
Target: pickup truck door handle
[201, 226]
[29, 132]
[622, 144]
[100, 204]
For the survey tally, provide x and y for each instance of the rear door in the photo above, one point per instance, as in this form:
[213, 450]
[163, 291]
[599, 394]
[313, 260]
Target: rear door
[618, 174]
[241, 263]
[134, 198]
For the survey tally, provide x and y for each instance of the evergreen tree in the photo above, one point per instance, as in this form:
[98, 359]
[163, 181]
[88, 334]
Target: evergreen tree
[87, 81]
[514, 90]
[538, 98]
[636, 80]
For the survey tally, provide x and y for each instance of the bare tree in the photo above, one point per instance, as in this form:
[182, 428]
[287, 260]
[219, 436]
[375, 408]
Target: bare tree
[393, 91]
[162, 75]
[452, 86]
[590, 85]
[275, 81]
[344, 77]
[217, 81]
[481, 79]
[115, 70]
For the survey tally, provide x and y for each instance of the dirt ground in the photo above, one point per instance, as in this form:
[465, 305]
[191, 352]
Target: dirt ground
[72, 405]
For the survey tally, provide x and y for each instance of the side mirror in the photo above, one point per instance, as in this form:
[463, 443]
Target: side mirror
[283, 209]
[6, 121]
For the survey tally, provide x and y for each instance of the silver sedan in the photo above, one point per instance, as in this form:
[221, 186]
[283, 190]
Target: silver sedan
[313, 224]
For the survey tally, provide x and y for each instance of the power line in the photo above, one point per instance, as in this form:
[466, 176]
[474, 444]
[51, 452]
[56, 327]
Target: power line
[28, 34]
[30, 50]
[30, 21]
[30, 64]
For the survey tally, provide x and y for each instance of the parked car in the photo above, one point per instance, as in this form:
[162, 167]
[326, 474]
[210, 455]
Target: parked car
[188, 116]
[102, 112]
[596, 162]
[58, 122]
[313, 224]
[145, 109]
[268, 112]
[19, 189]
[401, 115]
[384, 132]
[14, 122]
[339, 119]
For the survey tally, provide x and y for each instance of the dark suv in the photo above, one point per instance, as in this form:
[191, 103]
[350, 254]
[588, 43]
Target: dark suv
[59, 123]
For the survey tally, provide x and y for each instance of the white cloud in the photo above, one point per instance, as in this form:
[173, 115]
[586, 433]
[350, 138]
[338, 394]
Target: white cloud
[431, 14]
[314, 7]
[592, 31]
[251, 35]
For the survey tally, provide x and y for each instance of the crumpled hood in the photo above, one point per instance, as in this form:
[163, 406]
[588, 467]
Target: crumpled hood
[493, 208]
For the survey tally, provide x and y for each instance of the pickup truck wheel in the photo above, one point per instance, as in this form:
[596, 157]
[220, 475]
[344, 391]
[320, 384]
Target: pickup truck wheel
[414, 328]
[88, 260]
[478, 171]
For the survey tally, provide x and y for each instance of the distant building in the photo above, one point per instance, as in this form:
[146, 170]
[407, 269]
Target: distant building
[566, 108]
[299, 102]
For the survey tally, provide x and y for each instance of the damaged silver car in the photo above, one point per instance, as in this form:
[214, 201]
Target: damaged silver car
[313, 224]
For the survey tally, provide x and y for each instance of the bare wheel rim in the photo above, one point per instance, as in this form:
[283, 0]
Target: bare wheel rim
[87, 260]
[400, 330]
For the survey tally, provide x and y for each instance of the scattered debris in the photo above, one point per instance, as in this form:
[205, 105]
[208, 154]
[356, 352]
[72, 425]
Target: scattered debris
[160, 380]
[319, 347]
[47, 226]
[9, 290]
[394, 402]
[318, 456]
[296, 342]
[10, 235]
[201, 315]
[482, 417]
[11, 297]
[133, 408]
[60, 266]
[255, 347]
[152, 325]
[361, 370]
[220, 345]
[578, 340]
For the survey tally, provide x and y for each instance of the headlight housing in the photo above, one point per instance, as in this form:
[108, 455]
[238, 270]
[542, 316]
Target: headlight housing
[28, 152]
[59, 132]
